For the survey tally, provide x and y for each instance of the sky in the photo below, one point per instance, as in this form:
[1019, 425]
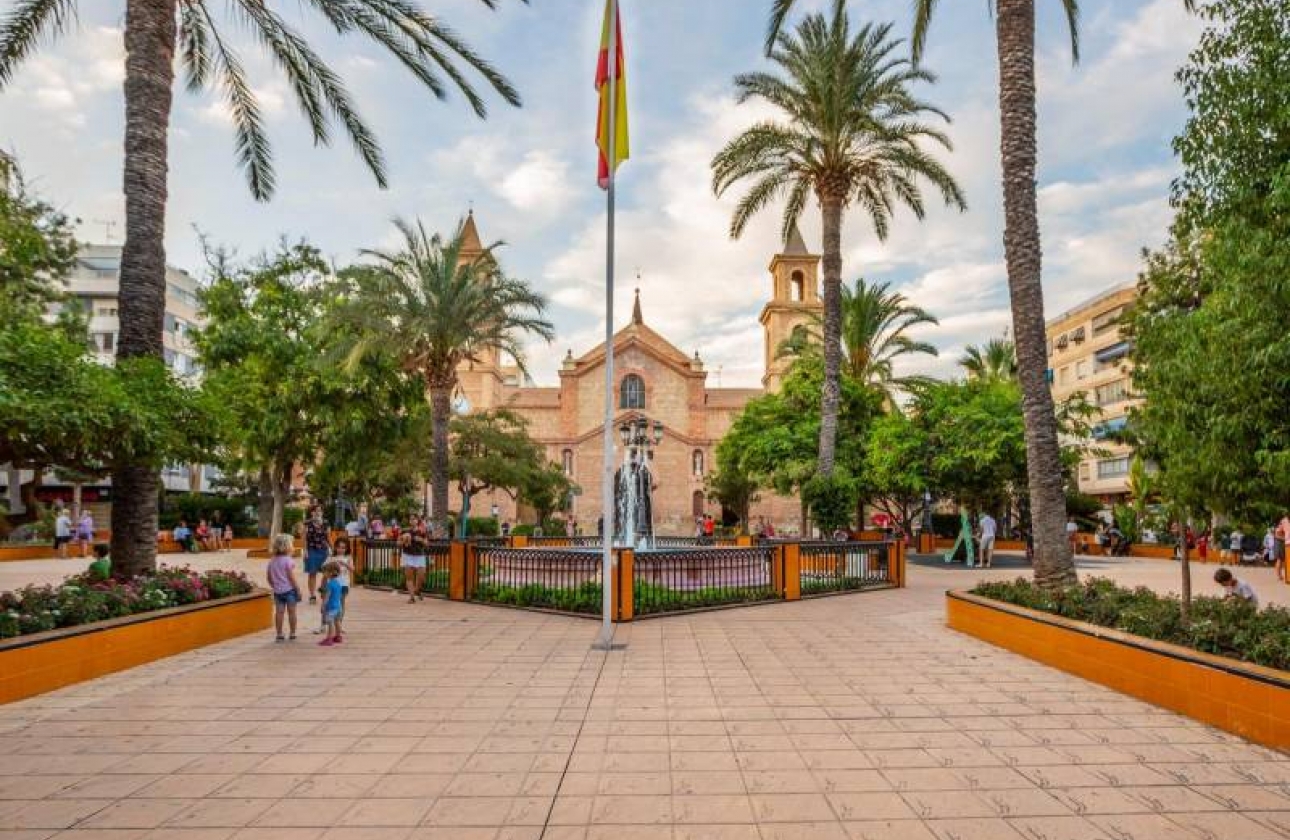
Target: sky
[1105, 128]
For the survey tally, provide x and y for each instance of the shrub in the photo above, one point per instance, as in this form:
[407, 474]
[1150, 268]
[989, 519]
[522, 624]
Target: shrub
[1222, 626]
[82, 599]
[831, 499]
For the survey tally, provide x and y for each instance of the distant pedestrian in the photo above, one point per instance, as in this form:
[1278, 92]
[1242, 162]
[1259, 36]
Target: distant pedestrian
[1283, 541]
[85, 532]
[1072, 534]
[415, 545]
[506, 528]
[226, 537]
[342, 558]
[1236, 588]
[1234, 545]
[317, 548]
[1202, 547]
[101, 568]
[709, 528]
[987, 528]
[1270, 547]
[281, 574]
[332, 601]
[377, 528]
[62, 533]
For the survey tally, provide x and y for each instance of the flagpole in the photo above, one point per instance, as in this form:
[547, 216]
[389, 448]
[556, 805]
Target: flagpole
[606, 638]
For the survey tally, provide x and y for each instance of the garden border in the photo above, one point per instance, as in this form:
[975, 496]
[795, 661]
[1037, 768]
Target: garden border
[1239, 697]
[41, 662]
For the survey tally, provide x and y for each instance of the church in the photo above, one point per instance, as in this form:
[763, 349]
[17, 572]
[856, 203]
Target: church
[653, 379]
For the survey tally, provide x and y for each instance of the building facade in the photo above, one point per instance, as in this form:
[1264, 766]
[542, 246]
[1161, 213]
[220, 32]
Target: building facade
[1088, 352]
[655, 379]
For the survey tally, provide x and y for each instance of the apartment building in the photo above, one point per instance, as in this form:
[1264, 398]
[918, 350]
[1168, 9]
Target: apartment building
[1088, 352]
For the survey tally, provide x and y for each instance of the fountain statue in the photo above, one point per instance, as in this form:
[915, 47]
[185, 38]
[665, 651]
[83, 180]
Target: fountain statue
[634, 484]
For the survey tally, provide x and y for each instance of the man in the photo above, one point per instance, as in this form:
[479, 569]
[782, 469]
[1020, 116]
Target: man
[184, 536]
[987, 528]
[317, 550]
[1234, 587]
[1234, 545]
[62, 533]
[1072, 534]
[1283, 540]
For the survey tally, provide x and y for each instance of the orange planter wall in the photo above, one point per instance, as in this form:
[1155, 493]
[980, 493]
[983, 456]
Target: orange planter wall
[1244, 699]
[31, 665]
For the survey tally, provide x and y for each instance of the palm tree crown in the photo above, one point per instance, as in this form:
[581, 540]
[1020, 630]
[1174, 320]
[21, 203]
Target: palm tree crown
[994, 361]
[421, 42]
[431, 307]
[875, 332]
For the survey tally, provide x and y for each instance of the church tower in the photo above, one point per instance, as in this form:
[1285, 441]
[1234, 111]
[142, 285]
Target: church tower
[481, 381]
[795, 302]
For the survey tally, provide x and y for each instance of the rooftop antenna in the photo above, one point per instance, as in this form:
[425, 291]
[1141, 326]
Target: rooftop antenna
[108, 226]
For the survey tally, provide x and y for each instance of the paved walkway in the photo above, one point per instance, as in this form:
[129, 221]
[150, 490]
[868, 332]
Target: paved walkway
[855, 717]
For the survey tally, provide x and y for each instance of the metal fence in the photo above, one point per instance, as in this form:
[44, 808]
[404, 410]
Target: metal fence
[691, 542]
[382, 565]
[581, 541]
[827, 567]
[547, 578]
[693, 578]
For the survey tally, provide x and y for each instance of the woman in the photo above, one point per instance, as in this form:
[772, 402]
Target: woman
[85, 532]
[414, 545]
[203, 535]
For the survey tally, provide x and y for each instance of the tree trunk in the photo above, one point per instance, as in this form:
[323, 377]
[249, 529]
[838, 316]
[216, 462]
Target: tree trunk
[1184, 555]
[440, 416]
[264, 504]
[831, 209]
[77, 494]
[279, 490]
[149, 76]
[1015, 22]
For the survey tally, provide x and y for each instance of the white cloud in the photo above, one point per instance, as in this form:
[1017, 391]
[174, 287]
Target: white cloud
[540, 183]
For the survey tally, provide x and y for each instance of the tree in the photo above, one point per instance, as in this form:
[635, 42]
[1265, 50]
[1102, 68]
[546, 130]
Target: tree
[430, 308]
[546, 490]
[37, 247]
[855, 134]
[735, 491]
[493, 450]
[154, 31]
[896, 466]
[996, 360]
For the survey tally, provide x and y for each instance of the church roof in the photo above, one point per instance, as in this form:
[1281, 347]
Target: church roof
[795, 246]
[637, 318]
[638, 332]
[470, 234]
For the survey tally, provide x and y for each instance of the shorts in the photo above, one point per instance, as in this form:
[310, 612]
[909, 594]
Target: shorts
[59, 542]
[413, 561]
[287, 598]
[314, 559]
[987, 544]
[331, 617]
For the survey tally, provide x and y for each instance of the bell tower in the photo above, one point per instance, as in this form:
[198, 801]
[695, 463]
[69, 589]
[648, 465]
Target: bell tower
[795, 301]
[481, 381]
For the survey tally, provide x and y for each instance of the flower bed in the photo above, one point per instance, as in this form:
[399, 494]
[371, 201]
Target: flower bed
[85, 598]
[1222, 627]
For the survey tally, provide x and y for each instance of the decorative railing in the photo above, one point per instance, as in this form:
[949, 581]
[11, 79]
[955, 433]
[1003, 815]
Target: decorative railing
[685, 579]
[580, 541]
[568, 581]
[828, 567]
[379, 563]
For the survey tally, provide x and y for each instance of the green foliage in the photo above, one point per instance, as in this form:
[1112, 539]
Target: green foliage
[82, 599]
[37, 247]
[831, 499]
[732, 489]
[994, 360]
[1084, 508]
[585, 598]
[1126, 519]
[493, 450]
[546, 490]
[1212, 327]
[1223, 626]
[194, 507]
[650, 598]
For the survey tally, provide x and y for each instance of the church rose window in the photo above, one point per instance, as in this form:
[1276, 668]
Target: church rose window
[633, 392]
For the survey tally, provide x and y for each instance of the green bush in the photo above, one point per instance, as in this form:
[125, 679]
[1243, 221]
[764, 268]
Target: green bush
[194, 507]
[1222, 626]
[585, 598]
[831, 500]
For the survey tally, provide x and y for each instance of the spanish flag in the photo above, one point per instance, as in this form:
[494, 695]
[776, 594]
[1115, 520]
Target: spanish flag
[609, 160]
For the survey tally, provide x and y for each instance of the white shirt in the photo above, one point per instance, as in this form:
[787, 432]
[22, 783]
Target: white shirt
[1071, 527]
[1246, 592]
[63, 526]
[353, 529]
[988, 527]
[343, 562]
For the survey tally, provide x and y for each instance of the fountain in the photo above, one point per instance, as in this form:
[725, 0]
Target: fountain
[634, 484]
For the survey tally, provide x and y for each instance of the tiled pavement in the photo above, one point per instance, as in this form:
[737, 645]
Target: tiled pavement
[852, 717]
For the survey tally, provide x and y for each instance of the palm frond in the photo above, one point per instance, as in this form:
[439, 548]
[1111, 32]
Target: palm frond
[251, 144]
[25, 24]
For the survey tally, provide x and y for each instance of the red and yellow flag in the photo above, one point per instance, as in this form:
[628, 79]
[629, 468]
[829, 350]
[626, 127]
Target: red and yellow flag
[609, 159]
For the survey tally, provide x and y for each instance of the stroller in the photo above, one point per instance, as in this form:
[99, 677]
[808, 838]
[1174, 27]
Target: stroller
[1251, 550]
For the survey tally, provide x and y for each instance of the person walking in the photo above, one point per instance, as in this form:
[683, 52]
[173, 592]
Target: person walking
[317, 549]
[1283, 541]
[987, 529]
[415, 545]
[85, 532]
[281, 575]
[62, 533]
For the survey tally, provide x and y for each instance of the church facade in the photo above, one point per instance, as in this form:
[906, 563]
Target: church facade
[654, 379]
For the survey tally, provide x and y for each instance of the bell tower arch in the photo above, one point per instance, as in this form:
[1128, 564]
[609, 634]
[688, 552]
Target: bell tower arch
[794, 302]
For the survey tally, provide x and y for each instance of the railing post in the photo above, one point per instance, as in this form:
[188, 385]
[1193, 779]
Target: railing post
[471, 577]
[360, 557]
[777, 569]
[624, 591]
[519, 541]
[457, 571]
[744, 540]
[902, 567]
[792, 571]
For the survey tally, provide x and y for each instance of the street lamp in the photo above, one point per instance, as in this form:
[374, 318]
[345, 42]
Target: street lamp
[927, 511]
[461, 407]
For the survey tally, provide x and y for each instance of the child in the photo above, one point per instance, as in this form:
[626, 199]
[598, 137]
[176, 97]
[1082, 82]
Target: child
[332, 603]
[227, 535]
[101, 568]
[281, 573]
[341, 558]
[1234, 587]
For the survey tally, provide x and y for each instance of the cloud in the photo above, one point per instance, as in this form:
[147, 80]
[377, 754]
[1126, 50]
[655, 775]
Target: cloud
[540, 182]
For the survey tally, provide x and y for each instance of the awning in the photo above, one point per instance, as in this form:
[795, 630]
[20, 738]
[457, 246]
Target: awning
[1115, 351]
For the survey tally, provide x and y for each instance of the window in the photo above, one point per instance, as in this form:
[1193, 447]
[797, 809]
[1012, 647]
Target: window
[1064, 375]
[1113, 392]
[696, 506]
[632, 392]
[696, 461]
[566, 461]
[1081, 369]
[797, 287]
[1084, 471]
[104, 341]
[1113, 467]
[105, 311]
[1108, 320]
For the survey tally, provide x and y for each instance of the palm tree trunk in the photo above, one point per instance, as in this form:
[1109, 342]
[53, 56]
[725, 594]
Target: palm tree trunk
[149, 76]
[1015, 22]
[831, 209]
[440, 416]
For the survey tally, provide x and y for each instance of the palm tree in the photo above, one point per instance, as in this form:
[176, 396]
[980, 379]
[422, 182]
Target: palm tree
[431, 309]
[994, 361]
[154, 31]
[875, 326]
[854, 134]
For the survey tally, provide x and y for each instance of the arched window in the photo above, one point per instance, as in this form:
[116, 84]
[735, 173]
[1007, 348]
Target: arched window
[632, 392]
[697, 503]
[696, 461]
[798, 290]
[566, 461]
